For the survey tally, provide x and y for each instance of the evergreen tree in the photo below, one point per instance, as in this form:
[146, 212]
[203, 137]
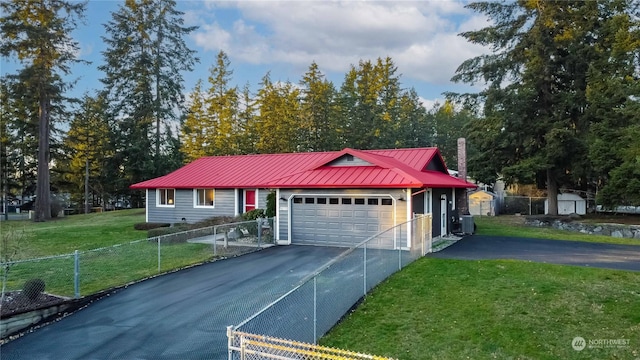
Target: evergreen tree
[614, 107]
[143, 80]
[222, 108]
[369, 101]
[534, 126]
[277, 125]
[195, 129]
[88, 150]
[318, 112]
[448, 126]
[413, 128]
[38, 34]
[246, 124]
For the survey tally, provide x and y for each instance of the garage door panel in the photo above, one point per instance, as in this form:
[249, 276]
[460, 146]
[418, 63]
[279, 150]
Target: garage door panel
[360, 227]
[341, 224]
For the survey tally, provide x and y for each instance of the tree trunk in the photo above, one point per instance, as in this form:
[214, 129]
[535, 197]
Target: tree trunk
[43, 195]
[552, 193]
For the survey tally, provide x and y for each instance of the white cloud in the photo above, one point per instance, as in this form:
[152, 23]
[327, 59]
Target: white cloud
[420, 36]
[213, 37]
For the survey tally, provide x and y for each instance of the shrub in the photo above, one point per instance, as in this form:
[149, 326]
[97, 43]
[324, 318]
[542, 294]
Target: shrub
[149, 226]
[56, 206]
[253, 214]
[271, 205]
[166, 230]
[217, 220]
[33, 288]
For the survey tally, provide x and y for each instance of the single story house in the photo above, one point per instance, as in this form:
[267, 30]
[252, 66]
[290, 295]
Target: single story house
[483, 203]
[327, 198]
[568, 203]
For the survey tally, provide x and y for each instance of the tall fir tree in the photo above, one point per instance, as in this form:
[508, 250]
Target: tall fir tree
[277, 124]
[38, 33]
[144, 62]
[194, 129]
[413, 128]
[222, 107]
[88, 150]
[534, 126]
[369, 105]
[318, 112]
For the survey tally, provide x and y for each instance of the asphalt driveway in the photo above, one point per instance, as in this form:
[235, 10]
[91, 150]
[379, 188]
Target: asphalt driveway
[182, 315]
[610, 256]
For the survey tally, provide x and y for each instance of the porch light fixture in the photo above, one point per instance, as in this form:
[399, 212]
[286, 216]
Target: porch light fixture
[282, 198]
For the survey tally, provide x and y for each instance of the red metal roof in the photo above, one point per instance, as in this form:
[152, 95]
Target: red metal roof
[397, 168]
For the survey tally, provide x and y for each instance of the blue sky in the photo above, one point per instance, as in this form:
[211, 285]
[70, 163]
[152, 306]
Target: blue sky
[285, 37]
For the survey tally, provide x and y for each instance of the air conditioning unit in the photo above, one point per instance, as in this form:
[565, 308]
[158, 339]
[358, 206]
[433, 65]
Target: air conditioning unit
[467, 224]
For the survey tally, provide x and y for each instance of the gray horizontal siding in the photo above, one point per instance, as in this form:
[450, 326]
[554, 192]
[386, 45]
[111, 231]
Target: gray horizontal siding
[184, 208]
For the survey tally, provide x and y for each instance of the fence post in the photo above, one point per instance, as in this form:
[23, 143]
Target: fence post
[364, 291]
[423, 228]
[215, 241]
[259, 224]
[399, 249]
[76, 274]
[159, 262]
[315, 309]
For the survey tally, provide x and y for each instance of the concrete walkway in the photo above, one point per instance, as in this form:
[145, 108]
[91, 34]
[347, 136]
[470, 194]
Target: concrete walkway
[182, 315]
[610, 256]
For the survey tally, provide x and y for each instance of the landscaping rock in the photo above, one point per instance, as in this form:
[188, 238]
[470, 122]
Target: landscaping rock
[568, 223]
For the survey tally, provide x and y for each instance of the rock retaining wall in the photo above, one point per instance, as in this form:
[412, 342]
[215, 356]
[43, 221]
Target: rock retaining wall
[14, 324]
[614, 230]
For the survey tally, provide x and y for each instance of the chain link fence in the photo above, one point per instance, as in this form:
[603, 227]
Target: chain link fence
[311, 309]
[523, 205]
[88, 272]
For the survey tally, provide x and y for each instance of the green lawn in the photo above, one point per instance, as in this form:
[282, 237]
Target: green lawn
[508, 225]
[100, 269]
[454, 309]
[79, 232]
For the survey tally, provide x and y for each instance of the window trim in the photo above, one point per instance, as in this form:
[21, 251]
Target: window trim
[158, 197]
[195, 199]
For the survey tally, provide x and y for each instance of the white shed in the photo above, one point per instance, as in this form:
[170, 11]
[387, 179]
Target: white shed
[568, 204]
[482, 203]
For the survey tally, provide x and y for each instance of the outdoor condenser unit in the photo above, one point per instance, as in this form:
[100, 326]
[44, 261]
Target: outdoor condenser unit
[467, 224]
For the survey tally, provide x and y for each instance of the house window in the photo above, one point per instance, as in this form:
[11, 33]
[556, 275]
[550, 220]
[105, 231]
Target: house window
[372, 201]
[346, 201]
[387, 202]
[333, 201]
[309, 200]
[358, 201]
[166, 197]
[205, 197]
[321, 200]
[297, 200]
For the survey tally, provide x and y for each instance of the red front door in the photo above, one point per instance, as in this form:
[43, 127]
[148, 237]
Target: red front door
[249, 200]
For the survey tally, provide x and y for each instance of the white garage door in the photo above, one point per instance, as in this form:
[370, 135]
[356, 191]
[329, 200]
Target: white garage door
[339, 220]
